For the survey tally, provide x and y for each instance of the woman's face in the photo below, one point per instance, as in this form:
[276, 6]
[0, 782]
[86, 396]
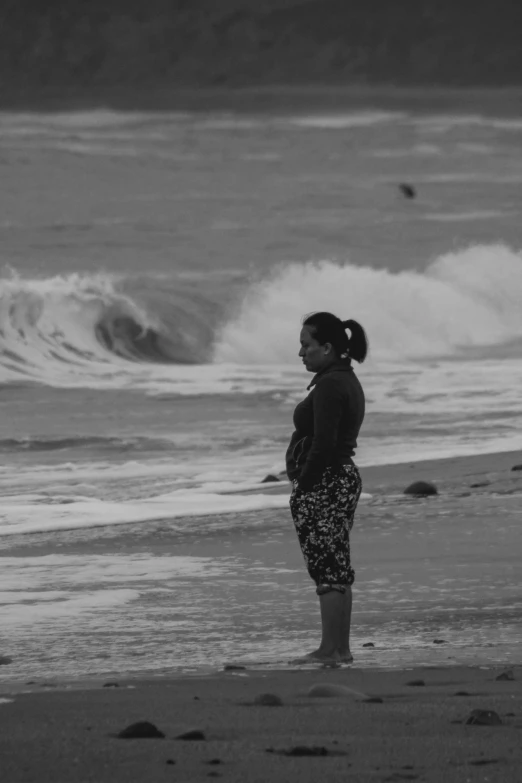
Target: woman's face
[314, 355]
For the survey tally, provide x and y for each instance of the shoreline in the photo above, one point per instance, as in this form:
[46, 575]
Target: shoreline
[416, 560]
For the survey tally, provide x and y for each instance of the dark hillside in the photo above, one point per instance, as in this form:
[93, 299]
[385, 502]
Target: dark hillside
[88, 44]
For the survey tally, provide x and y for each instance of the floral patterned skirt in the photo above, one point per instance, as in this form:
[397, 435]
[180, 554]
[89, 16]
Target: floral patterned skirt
[323, 519]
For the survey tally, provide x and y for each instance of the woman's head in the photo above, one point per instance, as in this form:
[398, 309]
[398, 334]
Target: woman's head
[324, 341]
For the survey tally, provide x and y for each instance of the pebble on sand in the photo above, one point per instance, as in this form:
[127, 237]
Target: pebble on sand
[269, 478]
[483, 718]
[268, 700]
[111, 684]
[233, 667]
[307, 750]
[368, 644]
[439, 641]
[141, 730]
[421, 489]
[5, 659]
[331, 690]
[416, 683]
[194, 734]
[517, 467]
[300, 750]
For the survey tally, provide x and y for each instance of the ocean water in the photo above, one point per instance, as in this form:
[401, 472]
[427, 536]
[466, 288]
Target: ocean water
[155, 269]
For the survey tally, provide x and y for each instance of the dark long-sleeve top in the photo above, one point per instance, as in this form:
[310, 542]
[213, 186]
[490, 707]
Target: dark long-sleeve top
[327, 425]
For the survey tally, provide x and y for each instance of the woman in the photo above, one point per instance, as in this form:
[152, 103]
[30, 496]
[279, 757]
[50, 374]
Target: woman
[326, 483]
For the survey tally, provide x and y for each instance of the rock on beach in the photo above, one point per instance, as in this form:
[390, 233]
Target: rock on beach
[421, 489]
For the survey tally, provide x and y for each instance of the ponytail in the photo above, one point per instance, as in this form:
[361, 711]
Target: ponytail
[358, 342]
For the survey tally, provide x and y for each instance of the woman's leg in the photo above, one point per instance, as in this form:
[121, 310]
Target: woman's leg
[323, 526]
[344, 646]
[332, 614]
[332, 605]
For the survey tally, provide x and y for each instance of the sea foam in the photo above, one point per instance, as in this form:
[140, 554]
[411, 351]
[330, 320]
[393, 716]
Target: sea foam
[463, 299]
[161, 335]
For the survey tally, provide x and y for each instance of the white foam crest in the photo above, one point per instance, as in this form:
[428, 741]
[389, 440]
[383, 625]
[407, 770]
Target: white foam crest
[341, 121]
[463, 217]
[463, 299]
[417, 150]
[50, 332]
[37, 517]
[71, 120]
[52, 321]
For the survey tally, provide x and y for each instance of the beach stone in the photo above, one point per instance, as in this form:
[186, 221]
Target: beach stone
[233, 667]
[307, 750]
[369, 644]
[194, 734]
[268, 700]
[5, 660]
[331, 690]
[421, 489]
[483, 718]
[507, 675]
[170, 761]
[416, 683]
[517, 467]
[268, 478]
[439, 641]
[301, 750]
[111, 684]
[141, 730]
[214, 761]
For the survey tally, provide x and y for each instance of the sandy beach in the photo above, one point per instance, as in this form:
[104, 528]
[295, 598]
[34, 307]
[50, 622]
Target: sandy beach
[60, 729]
[406, 732]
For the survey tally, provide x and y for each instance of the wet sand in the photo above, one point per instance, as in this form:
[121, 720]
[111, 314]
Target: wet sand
[414, 733]
[209, 589]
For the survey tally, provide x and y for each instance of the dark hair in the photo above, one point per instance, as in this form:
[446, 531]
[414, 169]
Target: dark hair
[330, 329]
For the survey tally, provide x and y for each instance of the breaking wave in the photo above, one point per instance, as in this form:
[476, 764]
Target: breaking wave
[100, 330]
[462, 301]
[90, 320]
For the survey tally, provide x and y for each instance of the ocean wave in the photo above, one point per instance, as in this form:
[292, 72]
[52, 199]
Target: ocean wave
[209, 334]
[344, 120]
[462, 217]
[462, 300]
[100, 443]
[95, 320]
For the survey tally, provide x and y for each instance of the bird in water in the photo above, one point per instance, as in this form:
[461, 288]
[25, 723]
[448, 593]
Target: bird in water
[407, 190]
